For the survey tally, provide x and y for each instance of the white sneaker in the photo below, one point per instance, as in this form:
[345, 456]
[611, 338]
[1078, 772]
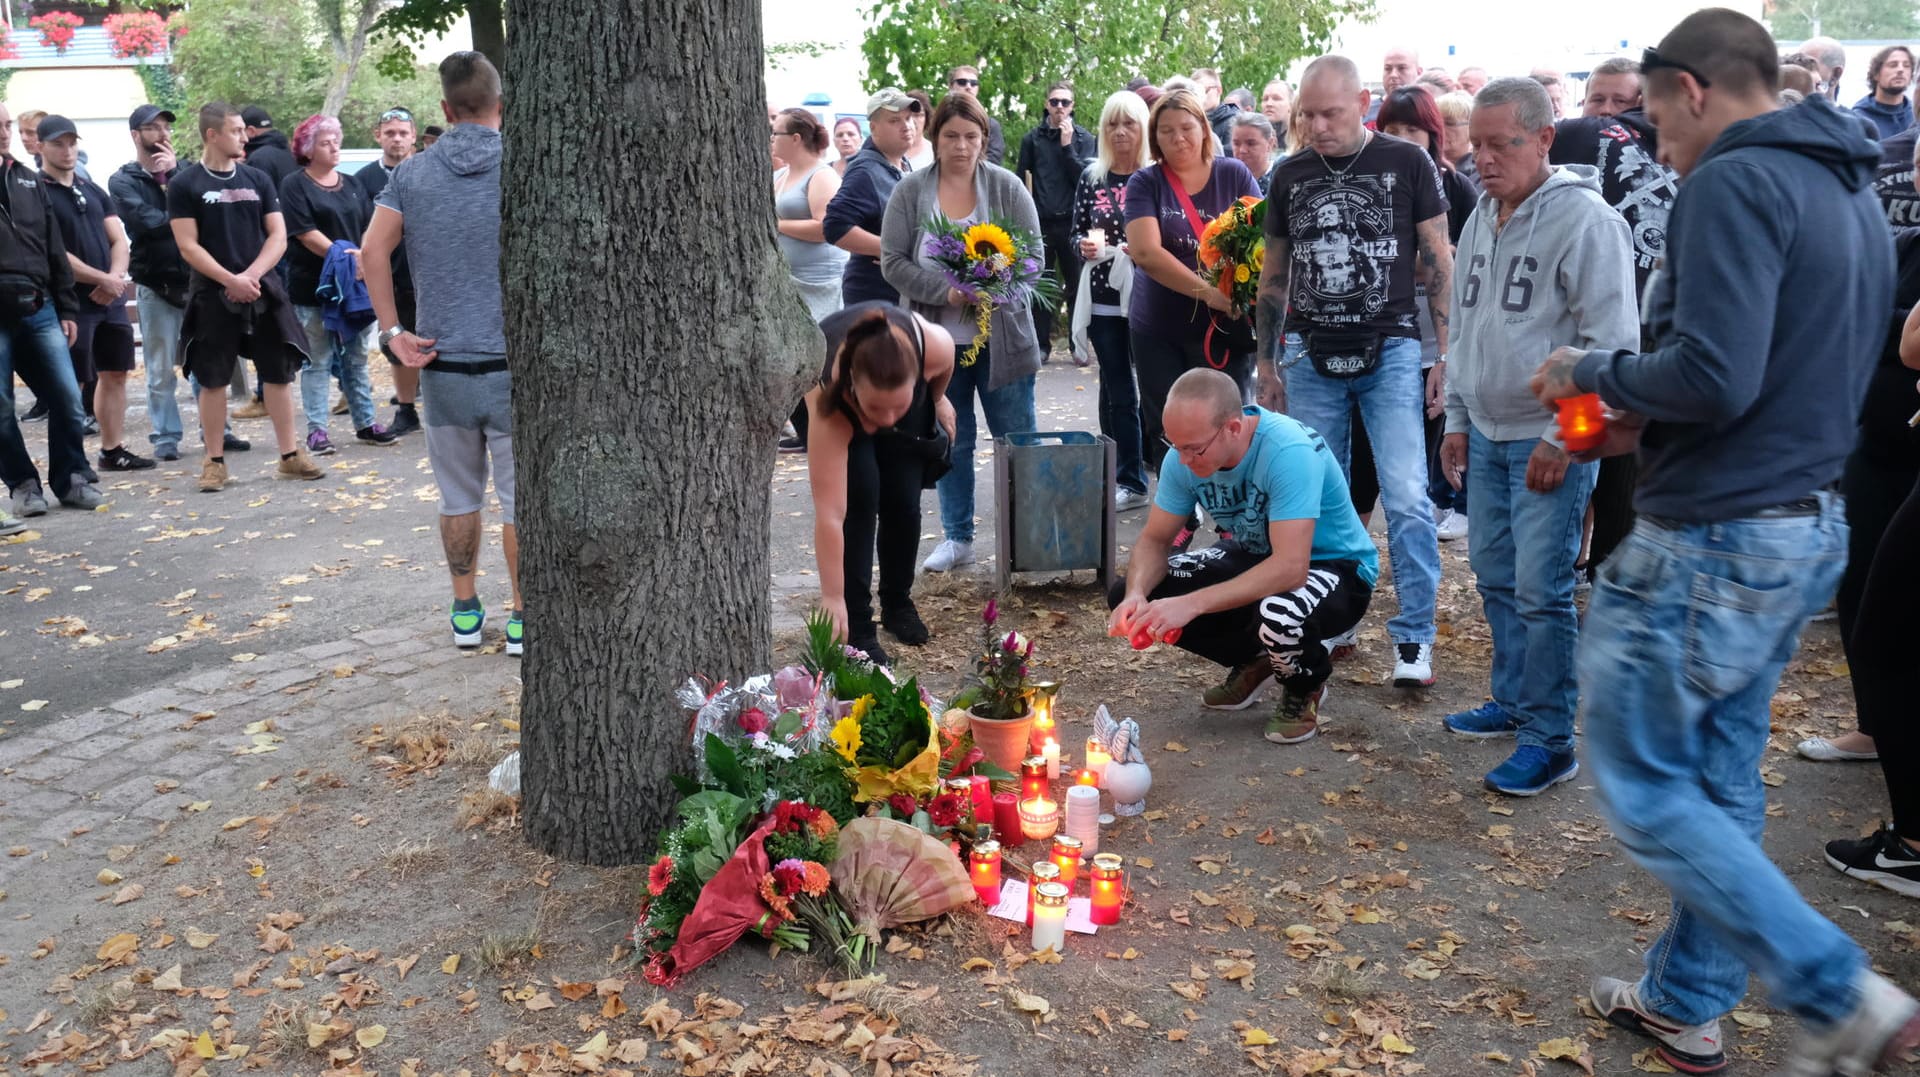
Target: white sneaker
[948, 554]
[1124, 499]
[1341, 647]
[1413, 665]
[1882, 1028]
[1452, 525]
[1822, 750]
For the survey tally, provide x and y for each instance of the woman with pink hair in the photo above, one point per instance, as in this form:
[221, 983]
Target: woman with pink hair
[322, 208]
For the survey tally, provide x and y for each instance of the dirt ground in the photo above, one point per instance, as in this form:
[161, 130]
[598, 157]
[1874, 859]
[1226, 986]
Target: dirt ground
[1354, 904]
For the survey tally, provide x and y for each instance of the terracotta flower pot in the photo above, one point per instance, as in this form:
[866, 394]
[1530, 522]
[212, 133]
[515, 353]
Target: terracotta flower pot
[1003, 739]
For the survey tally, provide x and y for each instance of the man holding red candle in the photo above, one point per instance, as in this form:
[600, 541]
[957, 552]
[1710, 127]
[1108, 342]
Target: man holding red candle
[1544, 262]
[1767, 316]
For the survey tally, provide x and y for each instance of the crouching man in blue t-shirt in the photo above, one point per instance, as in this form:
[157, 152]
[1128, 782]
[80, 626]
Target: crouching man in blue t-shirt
[1294, 568]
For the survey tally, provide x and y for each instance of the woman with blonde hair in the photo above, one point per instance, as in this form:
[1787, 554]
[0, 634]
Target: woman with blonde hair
[1100, 311]
[1456, 113]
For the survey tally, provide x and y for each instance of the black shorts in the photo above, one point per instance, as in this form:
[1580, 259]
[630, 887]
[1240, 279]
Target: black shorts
[102, 344]
[214, 337]
[404, 303]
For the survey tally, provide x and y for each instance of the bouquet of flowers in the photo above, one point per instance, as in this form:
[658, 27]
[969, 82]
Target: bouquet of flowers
[887, 740]
[1233, 249]
[992, 264]
[799, 887]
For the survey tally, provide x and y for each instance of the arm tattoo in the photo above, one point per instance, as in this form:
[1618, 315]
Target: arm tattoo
[1270, 303]
[1436, 254]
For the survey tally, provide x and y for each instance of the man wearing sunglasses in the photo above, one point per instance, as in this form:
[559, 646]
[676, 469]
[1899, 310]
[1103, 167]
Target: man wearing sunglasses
[1766, 318]
[965, 79]
[1052, 156]
[1298, 571]
[394, 132]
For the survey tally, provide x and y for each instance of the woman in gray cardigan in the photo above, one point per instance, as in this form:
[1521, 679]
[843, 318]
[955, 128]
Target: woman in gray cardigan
[962, 187]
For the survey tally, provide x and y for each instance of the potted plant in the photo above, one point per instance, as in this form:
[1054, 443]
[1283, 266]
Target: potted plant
[1001, 710]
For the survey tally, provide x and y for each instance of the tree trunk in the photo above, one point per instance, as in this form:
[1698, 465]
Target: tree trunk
[657, 342]
[488, 20]
[347, 27]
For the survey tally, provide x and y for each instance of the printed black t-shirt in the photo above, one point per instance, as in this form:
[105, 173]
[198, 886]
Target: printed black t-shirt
[1350, 222]
[82, 211]
[231, 210]
[1632, 179]
[339, 212]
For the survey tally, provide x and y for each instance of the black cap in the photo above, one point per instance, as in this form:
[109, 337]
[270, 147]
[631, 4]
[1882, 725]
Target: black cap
[255, 116]
[52, 127]
[146, 114]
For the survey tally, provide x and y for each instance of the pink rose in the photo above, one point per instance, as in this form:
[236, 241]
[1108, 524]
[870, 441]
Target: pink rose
[752, 721]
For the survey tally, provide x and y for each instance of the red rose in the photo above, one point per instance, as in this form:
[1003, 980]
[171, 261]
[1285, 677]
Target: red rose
[903, 805]
[752, 721]
[947, 809]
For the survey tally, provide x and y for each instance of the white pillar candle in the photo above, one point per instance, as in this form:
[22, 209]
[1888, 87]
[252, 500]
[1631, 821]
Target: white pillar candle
[1083, 816]
[1051, 752]
[1050, 918]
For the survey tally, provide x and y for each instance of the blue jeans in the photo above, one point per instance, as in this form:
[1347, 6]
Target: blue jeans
[1523, 547]
[1119, 399]
[1009, 411]
[1686, 634]
[1392, 399]
[36, 350]
[346, 360]
[160, 353]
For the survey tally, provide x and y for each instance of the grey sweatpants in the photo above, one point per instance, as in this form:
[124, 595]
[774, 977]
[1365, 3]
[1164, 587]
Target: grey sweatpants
[469, 421]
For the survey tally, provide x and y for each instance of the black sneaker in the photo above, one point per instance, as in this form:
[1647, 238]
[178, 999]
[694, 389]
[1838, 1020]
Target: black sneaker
[375, 435]
[35, 414]
[230, 443]
[869, 642]
[792, 445]
[119, 458]
[89, 427]
[1881, 858]
[905, 624]
[405, 421]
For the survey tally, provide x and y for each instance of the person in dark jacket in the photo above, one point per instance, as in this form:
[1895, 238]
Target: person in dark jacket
[1052, 156]
[267, 149]
[159, 276]
[38, 310]
[1743, 413]
[852, 220]
[1889, 76]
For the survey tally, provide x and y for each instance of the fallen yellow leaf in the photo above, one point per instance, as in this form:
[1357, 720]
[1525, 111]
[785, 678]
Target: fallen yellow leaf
[1256, 1037]
[1398, 1046]
[371, 1036]
[203, 1046]
[451, 965]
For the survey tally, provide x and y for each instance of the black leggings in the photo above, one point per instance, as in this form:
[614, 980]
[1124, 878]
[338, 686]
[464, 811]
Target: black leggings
[883, 510]
[1874, 489]
[1612, 507]
[1159, 362]
[1291, 629]
[1881, 658]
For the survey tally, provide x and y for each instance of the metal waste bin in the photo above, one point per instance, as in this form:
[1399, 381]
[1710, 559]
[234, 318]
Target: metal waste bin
[1053, 492]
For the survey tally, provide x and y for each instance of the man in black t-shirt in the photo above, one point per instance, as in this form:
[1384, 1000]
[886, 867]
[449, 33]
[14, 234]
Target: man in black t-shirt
[1344, 220]
[97, 249]
[394, 132]
[226, 218]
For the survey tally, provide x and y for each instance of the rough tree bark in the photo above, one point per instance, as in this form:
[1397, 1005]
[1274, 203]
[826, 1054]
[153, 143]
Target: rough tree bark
[657, 342]
[347, 23]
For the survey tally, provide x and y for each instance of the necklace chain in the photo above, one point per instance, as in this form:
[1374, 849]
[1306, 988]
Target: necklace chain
[1366, 138]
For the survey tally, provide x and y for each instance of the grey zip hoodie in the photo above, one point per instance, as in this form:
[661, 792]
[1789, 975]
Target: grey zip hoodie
[1560, 273]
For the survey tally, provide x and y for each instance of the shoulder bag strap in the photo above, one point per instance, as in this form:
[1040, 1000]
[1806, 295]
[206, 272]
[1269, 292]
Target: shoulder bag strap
[1199, 227]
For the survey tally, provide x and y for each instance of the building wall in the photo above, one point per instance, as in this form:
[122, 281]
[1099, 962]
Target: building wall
[97, 99]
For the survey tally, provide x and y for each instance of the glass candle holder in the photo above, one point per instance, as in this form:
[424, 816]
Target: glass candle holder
[984, 869]
[1033, 777]
[1107, 884]
[1066, 857]
[1043, 871]
[1050, 918]
[1583, 425]
[1039, 818]
[1097, 760]
[980, 793]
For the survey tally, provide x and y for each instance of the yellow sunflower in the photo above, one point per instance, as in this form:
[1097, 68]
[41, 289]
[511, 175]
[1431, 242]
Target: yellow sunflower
[987, 240]
[846, 732]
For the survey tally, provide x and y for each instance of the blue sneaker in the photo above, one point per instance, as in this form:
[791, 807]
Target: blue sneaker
[467, 625]
[1531, 770]
[516, 636]
[1485, 722]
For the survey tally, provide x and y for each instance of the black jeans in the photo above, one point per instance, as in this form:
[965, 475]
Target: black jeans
[1880, 655]
[1874, 488]
[1064, 260]
[1160, 362]
[1291, 629]
[883, 511]
[1612, 507]
[1119, 399]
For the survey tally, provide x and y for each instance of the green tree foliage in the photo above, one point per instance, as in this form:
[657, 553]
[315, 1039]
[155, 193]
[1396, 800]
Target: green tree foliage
[1848, 20]
[403, 26]
[1021, 45]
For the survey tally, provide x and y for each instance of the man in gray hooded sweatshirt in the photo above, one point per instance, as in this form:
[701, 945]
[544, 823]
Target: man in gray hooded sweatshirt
[1544, 263]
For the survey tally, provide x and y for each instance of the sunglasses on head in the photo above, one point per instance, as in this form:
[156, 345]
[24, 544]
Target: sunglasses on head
[1651, 61]
[966, 82]
[396, 114]
[1060, 102]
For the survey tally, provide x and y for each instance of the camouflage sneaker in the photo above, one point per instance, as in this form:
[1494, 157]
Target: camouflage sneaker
[1241, 688]
[1297, 718]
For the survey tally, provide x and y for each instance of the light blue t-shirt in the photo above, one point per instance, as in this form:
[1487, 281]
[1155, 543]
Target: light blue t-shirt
[1287, 474]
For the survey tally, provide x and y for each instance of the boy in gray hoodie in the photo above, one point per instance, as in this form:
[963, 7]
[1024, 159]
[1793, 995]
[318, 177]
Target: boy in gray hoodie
[1544, 263]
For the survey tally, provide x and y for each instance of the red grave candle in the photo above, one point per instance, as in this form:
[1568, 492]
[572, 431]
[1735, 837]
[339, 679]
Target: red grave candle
[985, 872]
[1109, 889]
[981, 792]
[1006, 818]
[1043, 871]
[1582, 424]
[1066, 857]
[1033, 777]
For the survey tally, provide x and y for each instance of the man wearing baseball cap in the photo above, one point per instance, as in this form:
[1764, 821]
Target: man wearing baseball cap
[267, 149]
[852, 220]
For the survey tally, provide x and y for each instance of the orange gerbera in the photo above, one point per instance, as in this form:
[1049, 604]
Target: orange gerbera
[817, 879]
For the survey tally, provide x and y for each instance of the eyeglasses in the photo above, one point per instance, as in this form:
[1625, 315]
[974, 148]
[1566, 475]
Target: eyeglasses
[966, 82]
[777, 134]
[1060, 102]
[396, 114]
[1651, 61]
[1194, 454]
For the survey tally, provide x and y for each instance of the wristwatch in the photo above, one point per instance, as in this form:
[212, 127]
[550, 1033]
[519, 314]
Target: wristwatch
[387, 335]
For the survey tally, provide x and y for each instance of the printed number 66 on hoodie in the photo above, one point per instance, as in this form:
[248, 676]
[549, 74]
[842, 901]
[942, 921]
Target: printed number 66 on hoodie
[1516, 296]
